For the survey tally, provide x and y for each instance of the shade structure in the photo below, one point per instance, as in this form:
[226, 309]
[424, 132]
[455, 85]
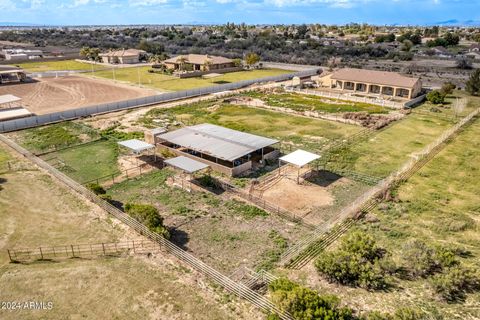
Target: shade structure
[9, 98]
[186, 164]
[136, 145]
[300, 158]
[211, 75]
[216, 141]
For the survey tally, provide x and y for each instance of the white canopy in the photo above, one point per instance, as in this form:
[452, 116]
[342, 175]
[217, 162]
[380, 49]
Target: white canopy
[9, 98]
[299, 158]
[136, 146]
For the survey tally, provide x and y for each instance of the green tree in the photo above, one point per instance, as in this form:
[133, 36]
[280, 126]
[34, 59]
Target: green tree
[473, 83]
[436, 97]
[447, 88]
[251, 59]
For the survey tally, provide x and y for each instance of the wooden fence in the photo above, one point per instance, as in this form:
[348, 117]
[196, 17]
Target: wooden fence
[224, 281]
[83, 250]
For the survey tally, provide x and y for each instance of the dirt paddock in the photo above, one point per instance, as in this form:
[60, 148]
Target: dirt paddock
[49, 95]
[303, 199]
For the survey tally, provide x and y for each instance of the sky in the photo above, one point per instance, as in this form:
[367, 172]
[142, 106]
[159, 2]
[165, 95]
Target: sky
[101, 12]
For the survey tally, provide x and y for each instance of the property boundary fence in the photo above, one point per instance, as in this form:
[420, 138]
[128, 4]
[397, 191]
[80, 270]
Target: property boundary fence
[83, 250]
[311, 245]
[228, 284]
[34, 121]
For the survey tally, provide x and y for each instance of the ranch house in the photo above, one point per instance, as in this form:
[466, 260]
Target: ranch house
[372, 82]
[198, 62]
[123, 56]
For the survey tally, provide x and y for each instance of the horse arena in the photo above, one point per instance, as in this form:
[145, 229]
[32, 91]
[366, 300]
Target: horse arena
[49, 95]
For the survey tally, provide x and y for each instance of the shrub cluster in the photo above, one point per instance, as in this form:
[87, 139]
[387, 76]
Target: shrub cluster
[358, 262]
[303, 303]
[454, 284]
[149, 216]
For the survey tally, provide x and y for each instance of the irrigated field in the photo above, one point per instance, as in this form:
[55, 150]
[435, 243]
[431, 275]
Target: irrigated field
[387, 150]
[162, 82]
[35, 211]
[58, 94]
[70, 65]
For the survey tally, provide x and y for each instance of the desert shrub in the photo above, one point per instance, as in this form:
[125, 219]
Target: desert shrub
[149, 216]
[422, 260]
[306, 304]
[454, 284]
[436, 97]
[358, 262]
[96, 188]
[448, 88]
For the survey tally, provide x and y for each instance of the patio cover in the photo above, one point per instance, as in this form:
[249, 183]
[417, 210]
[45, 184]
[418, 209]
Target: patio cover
[186, 164]
[8, 98]
[136, 146]
[299, 158]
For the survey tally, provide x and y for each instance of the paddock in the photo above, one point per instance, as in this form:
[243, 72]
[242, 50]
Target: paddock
[48, 95]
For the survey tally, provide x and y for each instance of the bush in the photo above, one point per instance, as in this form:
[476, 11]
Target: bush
[358, 262]
[448, 88]
[422, 260]
[149, 216]
[306, 304]
[436, 97]
[473, 83]
[456, 283]
[96, 188]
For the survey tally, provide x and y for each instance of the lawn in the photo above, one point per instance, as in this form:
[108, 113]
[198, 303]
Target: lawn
[304, 102]
[224, 233]
[302, 132]
[164, 82]
[55, 136]
[70, 65]
[87, 162]
[35, 210]
[387, 150]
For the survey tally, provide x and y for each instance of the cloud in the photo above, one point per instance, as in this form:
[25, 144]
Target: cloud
[78, 3]
[146, 3]
[7, 5]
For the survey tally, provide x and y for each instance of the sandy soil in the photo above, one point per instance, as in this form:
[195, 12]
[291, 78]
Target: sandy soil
[58, 94]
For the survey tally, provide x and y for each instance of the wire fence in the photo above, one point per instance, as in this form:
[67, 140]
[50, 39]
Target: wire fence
[307, 248]
[82, 250]
[228, 284]
[35, 121]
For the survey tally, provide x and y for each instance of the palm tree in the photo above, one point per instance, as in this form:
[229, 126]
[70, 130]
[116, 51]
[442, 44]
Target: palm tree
[206, 64]
[181, 62]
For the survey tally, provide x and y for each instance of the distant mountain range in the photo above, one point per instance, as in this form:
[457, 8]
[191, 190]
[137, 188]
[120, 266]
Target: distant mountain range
[455, 22]
[18, 24]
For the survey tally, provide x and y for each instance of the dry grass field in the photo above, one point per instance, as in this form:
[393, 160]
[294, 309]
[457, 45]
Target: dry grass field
[35, 210]
[58, 94]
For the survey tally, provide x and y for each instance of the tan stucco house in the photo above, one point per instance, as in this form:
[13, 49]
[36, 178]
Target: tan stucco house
[198, 62]
[122, 56]
[372, 82]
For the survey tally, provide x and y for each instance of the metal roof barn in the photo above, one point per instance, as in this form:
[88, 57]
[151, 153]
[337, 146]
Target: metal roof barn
[186, 164]
[216, 141]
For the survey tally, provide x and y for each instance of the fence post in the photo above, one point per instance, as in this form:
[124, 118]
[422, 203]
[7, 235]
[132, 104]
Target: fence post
[103, 246]
[133, 246]
[9, 256]
[73, 252]
[41, 253]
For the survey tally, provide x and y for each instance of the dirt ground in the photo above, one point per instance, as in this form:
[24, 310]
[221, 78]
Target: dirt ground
[307, 198]
[58, 94]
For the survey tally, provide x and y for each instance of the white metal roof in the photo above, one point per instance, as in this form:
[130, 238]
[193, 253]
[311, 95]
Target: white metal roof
[186, 164]
[9, 98]
[216, 141]
[300, 157]
[136, 146]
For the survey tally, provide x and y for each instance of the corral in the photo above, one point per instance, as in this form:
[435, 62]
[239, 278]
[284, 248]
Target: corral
[49, 95]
